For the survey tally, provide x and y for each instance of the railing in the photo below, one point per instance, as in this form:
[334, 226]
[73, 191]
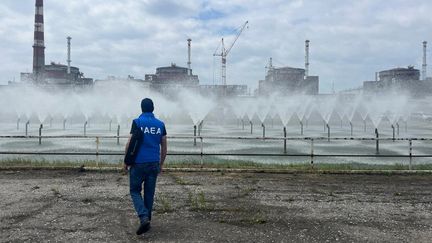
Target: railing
[311, 155]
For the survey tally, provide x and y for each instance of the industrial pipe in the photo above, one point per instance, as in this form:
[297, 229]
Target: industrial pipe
[285, 141]
[328, 132]
[85, 128]
[18, 122]
[263, 127]
[393, 128]
[251, 126]
[118, 134]
[351, 127]
[40, 134]
[64, 124]
[377, 141]
[26, 130]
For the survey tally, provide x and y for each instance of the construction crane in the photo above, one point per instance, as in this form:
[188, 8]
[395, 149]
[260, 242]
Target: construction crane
[224, 52]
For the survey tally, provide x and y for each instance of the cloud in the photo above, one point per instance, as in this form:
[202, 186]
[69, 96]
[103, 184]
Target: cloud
[350, 40]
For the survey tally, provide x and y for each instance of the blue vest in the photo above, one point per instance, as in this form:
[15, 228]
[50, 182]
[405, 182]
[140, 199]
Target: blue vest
[153, 131]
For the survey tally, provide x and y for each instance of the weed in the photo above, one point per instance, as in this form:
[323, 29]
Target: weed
[198, 202]
[258, 218]
[163, 205]
[56, 192]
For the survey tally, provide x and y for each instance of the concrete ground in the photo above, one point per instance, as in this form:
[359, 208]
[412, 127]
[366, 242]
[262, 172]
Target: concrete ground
[72, 206]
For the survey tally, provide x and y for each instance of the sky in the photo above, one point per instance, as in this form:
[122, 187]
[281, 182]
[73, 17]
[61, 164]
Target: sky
[350, 40]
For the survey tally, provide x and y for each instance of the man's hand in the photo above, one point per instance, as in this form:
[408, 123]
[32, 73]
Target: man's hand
[125, 167]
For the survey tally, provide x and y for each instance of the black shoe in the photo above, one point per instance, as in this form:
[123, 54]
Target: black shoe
[144, 227]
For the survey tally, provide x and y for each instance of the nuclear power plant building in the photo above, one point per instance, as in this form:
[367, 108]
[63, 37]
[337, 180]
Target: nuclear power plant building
[288, 80]
[406, 80]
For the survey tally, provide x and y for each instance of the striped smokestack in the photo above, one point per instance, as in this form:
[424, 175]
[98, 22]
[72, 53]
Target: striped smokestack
[39, 45]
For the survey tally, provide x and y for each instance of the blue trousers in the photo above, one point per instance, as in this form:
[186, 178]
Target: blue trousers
[139, 174]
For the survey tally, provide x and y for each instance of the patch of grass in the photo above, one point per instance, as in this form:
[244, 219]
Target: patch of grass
[163, 204]
[181, 181]
[56, 192]
[258, 218]
[216, 163]
[198, 202]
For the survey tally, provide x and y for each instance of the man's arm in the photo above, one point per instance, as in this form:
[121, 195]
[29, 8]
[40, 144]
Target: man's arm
[164, 148]
[126, 149]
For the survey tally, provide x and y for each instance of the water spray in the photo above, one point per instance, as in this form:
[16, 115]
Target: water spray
[364, 124]
[18, 122]
[325, 126]
[397, 126]
[85, 128]
[64, 124]
[285, 141]
[51, 119]
[110, 122]
[242, 124]
[26, 130]
[406, 126]
[251, 126]
[377, 141]
[263, 127]
[328, 132]
[118, 134]
[393, 128]
[195, 133]
[40, 133]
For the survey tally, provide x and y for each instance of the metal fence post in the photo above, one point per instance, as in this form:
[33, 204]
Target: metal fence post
[377, 141]
[285, 141]
[97, 151]
[312, 152]
[118, 134]
[410, 154]
[202, 152]
[40, 134]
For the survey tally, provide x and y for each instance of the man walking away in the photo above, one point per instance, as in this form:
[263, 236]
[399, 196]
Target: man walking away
[148, 164]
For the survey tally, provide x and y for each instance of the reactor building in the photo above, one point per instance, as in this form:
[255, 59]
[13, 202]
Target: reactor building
[289, 79]
[402, 80]
[53, 75]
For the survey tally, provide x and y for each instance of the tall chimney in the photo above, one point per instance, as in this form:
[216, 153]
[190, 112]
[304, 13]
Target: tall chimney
[424, 66]
[69, 53]
[39, 44]
[189, 57]
[307, 58]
